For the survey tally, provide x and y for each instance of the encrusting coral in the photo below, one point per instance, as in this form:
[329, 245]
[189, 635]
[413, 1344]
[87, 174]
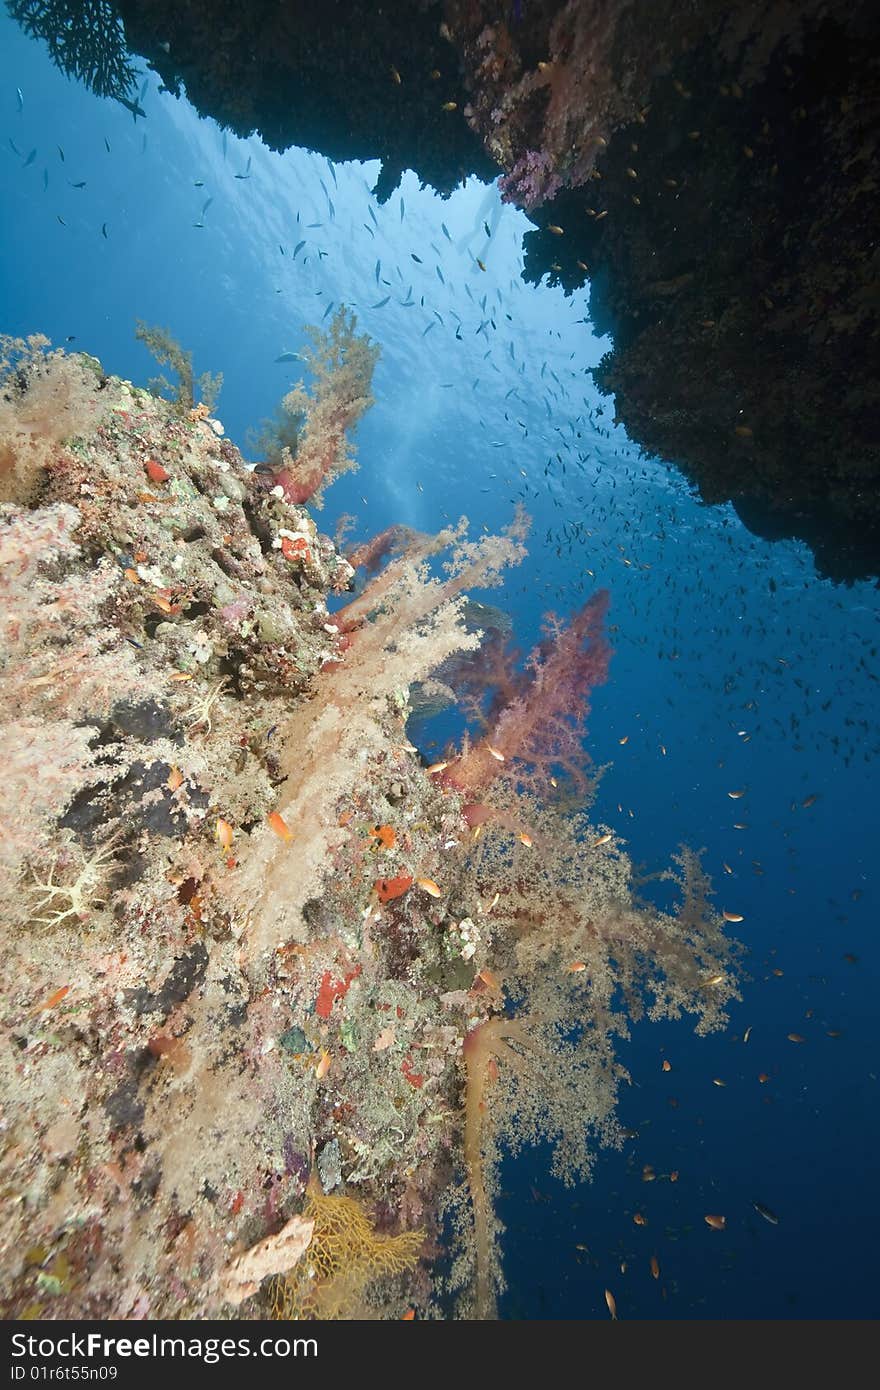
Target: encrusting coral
[260, 962]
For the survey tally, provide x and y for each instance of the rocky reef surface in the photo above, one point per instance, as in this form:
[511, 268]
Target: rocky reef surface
[276, 992]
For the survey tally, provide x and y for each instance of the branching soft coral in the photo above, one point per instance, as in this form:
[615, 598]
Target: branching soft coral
[342, 364]
[394, 540]
[46, 396]
[169, 353]
[538, 720]
[405, 624]
[580, 957]
[61, 666]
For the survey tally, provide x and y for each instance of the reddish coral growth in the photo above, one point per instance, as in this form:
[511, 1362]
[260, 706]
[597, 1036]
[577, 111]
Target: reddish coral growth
[385, 834]
[155, 472]
[332, 990]
[415, 1078]
[546, 95]
[341, 362]
[394, 540]
[387, 889]
[538, 720]
[296, 549]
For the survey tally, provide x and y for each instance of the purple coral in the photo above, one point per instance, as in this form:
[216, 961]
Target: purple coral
[531, 181]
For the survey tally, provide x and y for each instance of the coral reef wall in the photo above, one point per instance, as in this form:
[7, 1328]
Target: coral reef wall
[260, 962]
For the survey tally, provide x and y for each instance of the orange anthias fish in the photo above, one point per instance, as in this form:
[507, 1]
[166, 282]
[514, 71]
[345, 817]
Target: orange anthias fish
[53, 999]
[279, 825]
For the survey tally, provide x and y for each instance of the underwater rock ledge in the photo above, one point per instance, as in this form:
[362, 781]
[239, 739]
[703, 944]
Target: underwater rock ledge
[711, 169]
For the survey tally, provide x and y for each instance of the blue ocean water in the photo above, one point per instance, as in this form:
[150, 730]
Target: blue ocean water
[735, 667]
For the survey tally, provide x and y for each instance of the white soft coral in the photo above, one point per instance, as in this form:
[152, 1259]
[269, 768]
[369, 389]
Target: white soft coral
[83, 895]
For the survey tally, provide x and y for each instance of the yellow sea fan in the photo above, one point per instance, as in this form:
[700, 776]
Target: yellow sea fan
[345, 1255]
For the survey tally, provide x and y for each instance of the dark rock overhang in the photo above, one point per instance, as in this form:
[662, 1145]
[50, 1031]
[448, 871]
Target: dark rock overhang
[710, 168]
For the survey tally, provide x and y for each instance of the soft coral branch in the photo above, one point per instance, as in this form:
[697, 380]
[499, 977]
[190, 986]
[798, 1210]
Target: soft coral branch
[342, 363]
[541, 723]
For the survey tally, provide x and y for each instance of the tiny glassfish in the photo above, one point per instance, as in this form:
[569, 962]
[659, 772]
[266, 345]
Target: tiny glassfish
[767, 1214]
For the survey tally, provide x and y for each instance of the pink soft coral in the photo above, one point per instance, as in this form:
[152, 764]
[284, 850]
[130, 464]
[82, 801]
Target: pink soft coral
[531, 181]
[342, 363]
[539, 722]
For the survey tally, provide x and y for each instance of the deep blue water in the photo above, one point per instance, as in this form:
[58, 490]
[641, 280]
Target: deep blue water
[470, 419]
